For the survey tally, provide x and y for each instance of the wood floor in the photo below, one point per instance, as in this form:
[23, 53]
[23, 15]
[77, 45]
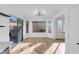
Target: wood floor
[42, 46]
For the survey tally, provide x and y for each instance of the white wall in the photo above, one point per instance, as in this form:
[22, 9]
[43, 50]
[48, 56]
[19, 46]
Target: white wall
[66, 29]
[4, 31]
[24, 29]
[52, 35]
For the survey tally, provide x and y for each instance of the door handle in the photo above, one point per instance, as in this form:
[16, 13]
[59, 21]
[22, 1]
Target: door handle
[77, 43]
[2, 26]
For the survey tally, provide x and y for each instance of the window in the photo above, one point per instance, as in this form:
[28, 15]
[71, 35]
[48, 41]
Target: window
[38, 26]
[60, 25]
[27, 26]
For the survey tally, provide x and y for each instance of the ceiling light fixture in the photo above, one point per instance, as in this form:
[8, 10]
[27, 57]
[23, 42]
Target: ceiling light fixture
[39, 12]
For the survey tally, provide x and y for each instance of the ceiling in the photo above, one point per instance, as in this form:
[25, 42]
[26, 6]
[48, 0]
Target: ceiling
[26, 11]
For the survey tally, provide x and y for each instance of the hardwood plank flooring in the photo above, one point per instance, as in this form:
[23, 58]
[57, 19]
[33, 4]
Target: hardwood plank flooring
[31, 49]
[61, 49]
[20, 47]
[52, 48]
[48, 46]
[47, 42]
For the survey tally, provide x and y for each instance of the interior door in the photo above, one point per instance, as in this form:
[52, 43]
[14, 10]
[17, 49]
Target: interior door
[74, 30]
[4, 29]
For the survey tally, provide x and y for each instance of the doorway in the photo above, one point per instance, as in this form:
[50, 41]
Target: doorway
[60, 33]
[16, 29]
